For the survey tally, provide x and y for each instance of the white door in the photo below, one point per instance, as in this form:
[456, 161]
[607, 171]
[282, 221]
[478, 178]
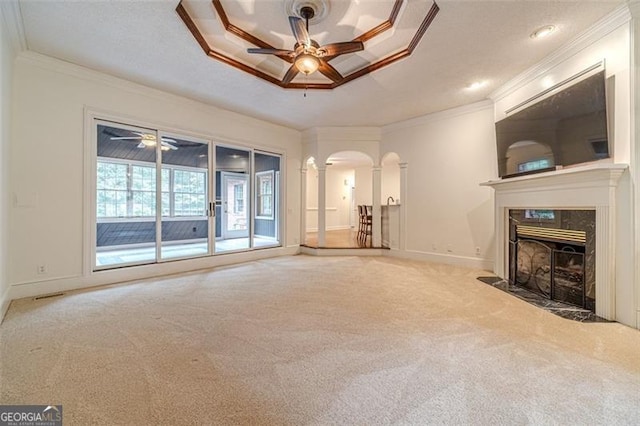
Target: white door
[235, 205]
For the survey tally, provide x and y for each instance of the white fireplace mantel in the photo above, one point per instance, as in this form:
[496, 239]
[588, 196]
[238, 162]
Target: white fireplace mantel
[585, 187]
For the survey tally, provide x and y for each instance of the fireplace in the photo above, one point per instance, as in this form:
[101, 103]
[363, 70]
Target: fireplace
[552, 253]
[590, 187]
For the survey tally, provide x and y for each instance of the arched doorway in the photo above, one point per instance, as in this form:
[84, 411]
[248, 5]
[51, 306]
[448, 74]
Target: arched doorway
[347, 179]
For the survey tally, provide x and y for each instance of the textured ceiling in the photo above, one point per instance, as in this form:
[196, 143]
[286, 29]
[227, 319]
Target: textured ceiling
[470, 40]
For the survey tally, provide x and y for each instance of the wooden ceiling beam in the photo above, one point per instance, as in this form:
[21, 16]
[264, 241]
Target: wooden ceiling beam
[368, 35]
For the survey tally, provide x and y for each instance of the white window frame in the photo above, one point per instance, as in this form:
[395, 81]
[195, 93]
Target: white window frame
[171, 168]
[260, 196]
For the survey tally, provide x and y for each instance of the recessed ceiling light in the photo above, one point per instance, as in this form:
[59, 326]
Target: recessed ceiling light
[476, 85]
[543, 31]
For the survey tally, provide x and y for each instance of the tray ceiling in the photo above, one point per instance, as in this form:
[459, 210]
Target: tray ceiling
[226, 29]
[147, 42]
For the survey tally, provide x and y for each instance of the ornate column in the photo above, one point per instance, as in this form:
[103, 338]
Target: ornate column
[322, 206]
[303, 205]
[376, 238]
[403, 206]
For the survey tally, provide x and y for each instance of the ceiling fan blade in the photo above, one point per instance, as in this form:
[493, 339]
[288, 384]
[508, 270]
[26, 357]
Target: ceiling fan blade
[164, 139]
[329, 71]
[290, 75]
[124, 138]
[335, 49]
[271, 51]
[300, 31]
[168, 145]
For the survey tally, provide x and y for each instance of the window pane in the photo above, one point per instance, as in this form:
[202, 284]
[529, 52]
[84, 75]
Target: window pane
[189, 193]
[266, 226]
[111, 190]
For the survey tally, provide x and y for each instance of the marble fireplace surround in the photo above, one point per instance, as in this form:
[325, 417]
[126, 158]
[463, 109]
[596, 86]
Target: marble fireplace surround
[591, 187]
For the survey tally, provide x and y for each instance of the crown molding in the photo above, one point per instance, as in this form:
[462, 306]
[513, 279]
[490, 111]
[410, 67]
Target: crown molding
[12, 17]
[606, 25]
[438, 116]
[634, 8]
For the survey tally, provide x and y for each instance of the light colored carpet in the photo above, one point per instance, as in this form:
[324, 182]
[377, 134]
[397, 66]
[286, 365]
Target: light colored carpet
[316, 340]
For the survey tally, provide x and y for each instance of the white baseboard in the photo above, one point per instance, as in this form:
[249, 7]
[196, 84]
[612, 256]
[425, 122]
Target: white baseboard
[342, 251]
[464, 261]
[106, 277]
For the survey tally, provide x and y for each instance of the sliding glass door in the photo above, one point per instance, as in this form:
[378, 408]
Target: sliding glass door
[267, 200]
[125, 196]
[184, 198]
[152, 199]
[155, 192]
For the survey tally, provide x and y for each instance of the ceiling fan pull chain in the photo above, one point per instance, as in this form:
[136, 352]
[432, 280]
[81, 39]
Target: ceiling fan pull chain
[306, 84]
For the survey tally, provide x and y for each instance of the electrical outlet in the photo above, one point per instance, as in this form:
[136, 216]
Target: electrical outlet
[42, 269]
[477, 251]
[449, 248]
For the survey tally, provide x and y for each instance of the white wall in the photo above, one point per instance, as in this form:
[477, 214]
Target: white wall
[6, 60]
[448, 215]
[363, 185]
[50, 137]
[390, 182]
[338, 198]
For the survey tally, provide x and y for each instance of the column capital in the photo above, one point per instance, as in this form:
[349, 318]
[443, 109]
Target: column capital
[403, 165]
[376, 169]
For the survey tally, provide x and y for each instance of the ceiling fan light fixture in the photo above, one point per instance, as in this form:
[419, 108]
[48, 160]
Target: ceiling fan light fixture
[307, 63]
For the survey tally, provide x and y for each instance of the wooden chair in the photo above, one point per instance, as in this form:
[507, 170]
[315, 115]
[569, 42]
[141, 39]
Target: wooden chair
[361, 215]
[366, 220]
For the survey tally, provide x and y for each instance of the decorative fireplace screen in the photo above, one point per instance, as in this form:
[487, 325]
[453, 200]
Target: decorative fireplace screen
[549, 261]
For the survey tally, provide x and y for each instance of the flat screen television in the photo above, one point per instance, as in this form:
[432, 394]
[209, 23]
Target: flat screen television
[565, 128]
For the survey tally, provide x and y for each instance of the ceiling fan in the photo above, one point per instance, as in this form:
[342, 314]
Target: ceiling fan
[149, 140]
[308, 56]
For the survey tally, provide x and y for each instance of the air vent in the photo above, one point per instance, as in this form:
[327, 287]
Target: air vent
[48, 296]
